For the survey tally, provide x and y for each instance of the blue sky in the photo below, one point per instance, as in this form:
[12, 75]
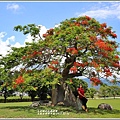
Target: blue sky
[49, 14]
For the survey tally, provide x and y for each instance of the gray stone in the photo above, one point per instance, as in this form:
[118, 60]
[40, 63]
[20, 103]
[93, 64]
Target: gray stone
[105, 106]
[35, 104]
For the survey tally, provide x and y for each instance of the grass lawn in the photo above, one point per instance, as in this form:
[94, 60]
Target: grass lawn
[22, 110]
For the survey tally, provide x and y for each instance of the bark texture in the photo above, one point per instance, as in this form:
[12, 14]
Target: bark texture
[63, 93]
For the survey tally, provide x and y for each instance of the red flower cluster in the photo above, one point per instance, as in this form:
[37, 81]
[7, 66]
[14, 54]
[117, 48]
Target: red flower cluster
[77, 23]
[113, 35]
[77, 64]
[95, 81]
[104, 54]
[88, 18]
[103, 45]
[93, 38]
[45, 35]
[107, 30]
[36, 53]
[19, 80]
[53, 65]
[116, 64]
[49, 32]
[94, 64]
[53, 68]
[107, 72]
[106, 69]
[84, 22]
[116, 57]
[72, 50]
[80, 48]
[32, 55]
[104, 25]
[73, 69]
[24, 57]
[54, 62]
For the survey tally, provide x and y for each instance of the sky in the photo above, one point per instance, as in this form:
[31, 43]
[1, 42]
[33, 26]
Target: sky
[48, 14]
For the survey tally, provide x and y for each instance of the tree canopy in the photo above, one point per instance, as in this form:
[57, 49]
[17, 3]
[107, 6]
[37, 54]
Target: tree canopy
[76, 47]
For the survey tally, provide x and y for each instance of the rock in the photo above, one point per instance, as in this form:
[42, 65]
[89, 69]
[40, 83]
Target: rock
[105, 106]
[35, 104]
[40, 103]
[60, 104]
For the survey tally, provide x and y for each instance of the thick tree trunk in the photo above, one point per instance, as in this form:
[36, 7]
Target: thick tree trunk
[69, 98]
[63, 93]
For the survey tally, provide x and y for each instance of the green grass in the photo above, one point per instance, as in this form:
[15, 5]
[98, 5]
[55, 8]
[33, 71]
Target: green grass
[22, 110]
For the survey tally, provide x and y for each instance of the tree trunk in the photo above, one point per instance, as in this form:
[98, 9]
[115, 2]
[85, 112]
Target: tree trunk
[114, 96]
[63, 93]
[5, 97]
[5, 93]
[69, 97]
[54, 95]
[21, 96]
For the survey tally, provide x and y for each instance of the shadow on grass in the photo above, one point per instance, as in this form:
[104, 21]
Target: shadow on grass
[102, 112]
[20, 108]
[62, 108]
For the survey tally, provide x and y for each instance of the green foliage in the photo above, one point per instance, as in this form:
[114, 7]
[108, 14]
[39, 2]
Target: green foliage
[104, 90]
[114, 90]
[42, 78]
[75, 83]
[30, 28]
[91, 92]
[14, 99]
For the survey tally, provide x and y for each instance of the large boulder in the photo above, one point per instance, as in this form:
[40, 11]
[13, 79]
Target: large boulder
[105, 106]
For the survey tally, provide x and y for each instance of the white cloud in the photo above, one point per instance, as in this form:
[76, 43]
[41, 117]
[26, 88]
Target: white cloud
[57, 25]
[43, 30]
[28, 38]
[17, 45]
[2, 35]
[13, 7]
[103, 10]
[5, 44]
[12, 38]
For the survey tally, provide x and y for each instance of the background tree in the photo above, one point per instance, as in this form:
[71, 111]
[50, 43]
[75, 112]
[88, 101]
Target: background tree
[91, 92]
[77, 47]
[114, 90]
[104, 90]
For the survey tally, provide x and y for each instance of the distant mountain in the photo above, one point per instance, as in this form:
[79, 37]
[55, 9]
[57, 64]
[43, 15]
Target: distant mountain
[97, 87]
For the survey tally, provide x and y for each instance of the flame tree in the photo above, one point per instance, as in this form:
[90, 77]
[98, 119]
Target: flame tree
[77, 47]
